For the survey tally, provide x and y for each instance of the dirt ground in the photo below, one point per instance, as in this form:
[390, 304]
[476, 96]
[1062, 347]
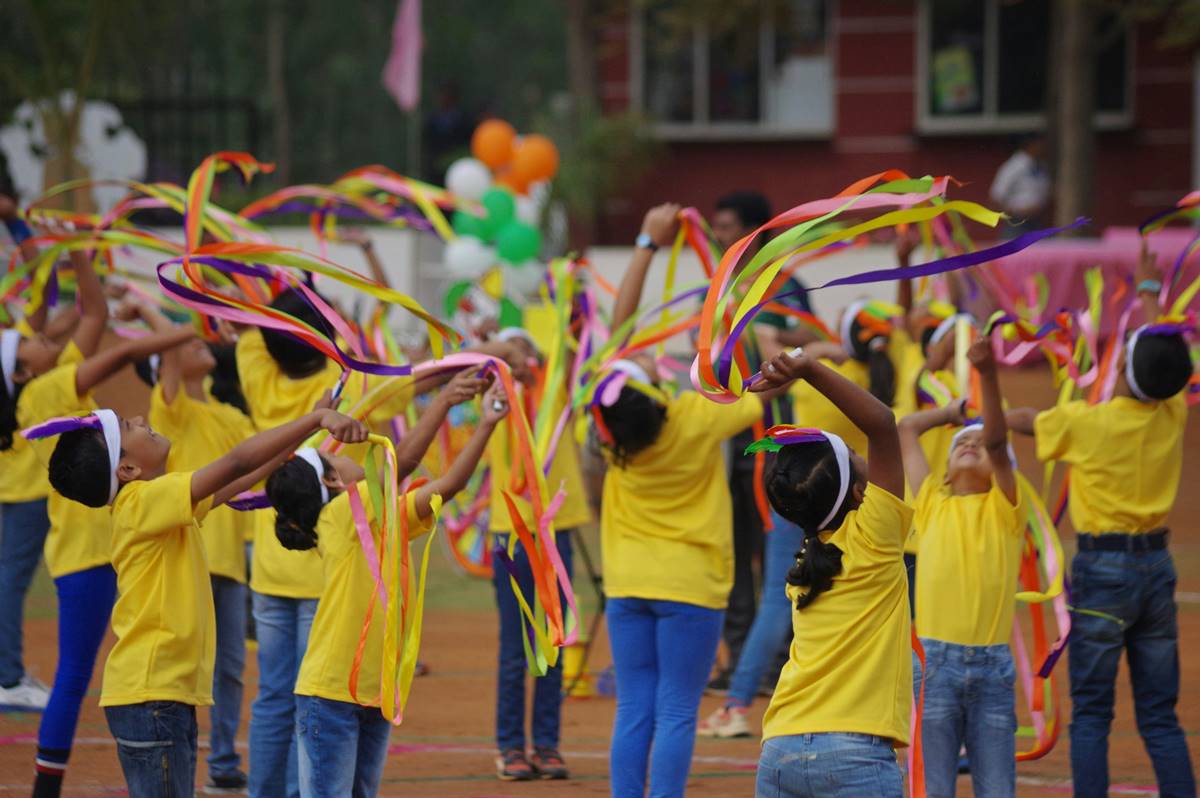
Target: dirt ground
[444, 747]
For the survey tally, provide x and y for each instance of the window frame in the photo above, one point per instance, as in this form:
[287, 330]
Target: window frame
[704, 129]
[990, 120]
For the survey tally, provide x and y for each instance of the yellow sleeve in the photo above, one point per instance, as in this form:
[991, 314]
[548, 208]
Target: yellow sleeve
[1012, 514]
[255, 366]
[925, 502]
[52, 394]
[883, 520]
[151, 507]
[1053, 430]
[718, 420]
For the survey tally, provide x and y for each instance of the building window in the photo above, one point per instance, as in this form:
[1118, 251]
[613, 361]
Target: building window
[983, 66]
[725, 72]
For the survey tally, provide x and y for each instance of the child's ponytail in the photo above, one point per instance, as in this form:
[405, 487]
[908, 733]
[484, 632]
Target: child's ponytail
[8, 415]
[868, 343]
[881, 372]
[295, 493]
[817, 563]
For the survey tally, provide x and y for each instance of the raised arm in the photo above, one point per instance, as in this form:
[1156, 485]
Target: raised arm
[661, 224]
[995, 429]
[455, 478]
[100, 367]
[870, 415]
[906, 242]
[912, 427]
[168, 370]
[17, 228]
[93, 306]
[1149, 283]
[463, 387]
[1021, 420]
[220, 478]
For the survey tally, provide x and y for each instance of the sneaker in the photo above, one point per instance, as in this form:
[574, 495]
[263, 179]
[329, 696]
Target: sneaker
[231, 784]
[27, 695]
[718, 685]
[725, 723]
[549, 764]
[513, 766]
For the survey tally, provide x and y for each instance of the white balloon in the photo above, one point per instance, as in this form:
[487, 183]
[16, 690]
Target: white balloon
[467, 257]
[468, 178]
[523, 280]
[529, 210]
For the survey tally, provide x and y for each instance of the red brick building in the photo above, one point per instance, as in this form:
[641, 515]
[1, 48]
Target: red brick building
[811, 94]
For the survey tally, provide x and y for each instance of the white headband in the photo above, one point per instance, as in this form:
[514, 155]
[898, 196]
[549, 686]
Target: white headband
[842, 455]
[111, 426]
[155, 361]
[310, 456]
[9, 341]
[1012, 455]
[946, 326]
[512, 333]
[1134, 388]
[632, 370]
[852, 311]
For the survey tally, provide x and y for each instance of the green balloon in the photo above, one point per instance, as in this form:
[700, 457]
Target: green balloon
[468, 224]
[456, 292]
[510, 314]
[517, 242]
[501, 208]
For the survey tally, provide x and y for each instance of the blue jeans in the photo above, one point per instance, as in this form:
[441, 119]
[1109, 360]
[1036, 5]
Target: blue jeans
[85, 602]
[969, 699]
[829, 765]
[23, 528]
[342, 748]
[156, 744]
[662, 653]
[772, 627]
[229, 601]
[510, 683]
[1138, 588]
[282, 625]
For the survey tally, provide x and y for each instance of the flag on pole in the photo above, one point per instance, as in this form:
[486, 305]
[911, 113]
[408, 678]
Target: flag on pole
[402, 72]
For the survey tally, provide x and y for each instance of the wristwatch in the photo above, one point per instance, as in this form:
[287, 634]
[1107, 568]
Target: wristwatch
[644, 241]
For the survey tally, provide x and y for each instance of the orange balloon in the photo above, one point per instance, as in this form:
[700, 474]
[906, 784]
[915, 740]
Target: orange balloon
[492, 142]
[511, 180]
[535, 158]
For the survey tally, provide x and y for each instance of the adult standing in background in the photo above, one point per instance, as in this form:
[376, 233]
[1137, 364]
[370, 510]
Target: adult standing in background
[1022, 186]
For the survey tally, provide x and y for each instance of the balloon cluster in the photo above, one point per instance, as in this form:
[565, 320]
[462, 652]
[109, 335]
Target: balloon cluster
[508, 176]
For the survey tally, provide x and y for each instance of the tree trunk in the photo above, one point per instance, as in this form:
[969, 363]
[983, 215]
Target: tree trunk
[277, 87]
[585, 98]
[1073, 106]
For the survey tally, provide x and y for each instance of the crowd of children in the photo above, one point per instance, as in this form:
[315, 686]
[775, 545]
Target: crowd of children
[133, 520]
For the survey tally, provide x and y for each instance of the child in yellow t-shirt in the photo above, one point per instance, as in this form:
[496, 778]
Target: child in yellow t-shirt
[845, 693]
[546, 762]
[343, 736]
[201, 429]
[161, 667]
[968, 528]
[1126, 455]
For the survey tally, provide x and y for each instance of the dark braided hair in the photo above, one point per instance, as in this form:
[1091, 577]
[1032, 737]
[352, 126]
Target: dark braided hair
[634, 421]
[880, 369]
[8, 414]
[802, 487]
[295, 493]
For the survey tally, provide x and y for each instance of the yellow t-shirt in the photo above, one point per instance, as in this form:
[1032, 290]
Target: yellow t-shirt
[275, 399]
[325, 670]
[79, 535]
[25, 477]
[1125, 456]
[201, 432]
[163, 618]
[666, 521]
[564, 473]
[969, 550]
[910, 360]
[850, 667]
[810, 408]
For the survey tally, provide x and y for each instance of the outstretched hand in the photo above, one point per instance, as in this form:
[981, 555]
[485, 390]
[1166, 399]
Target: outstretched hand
[982, 356]
[464, 386]
[662, 223]
[783, 369]
[495, 404]
[342, 427]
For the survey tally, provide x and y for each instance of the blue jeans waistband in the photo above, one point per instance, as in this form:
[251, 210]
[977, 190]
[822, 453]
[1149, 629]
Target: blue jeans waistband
[931, 646]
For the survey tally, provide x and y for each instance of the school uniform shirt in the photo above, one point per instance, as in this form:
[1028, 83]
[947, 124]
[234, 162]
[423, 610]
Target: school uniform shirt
[1125, 456]
[666, 521]
[79, 535]
[969, 550]
[275, 399]
[163, 618]
[349, 587]
[201, 432]
[909, 358]
[850, 663]
[564, 473]
[810, 407]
